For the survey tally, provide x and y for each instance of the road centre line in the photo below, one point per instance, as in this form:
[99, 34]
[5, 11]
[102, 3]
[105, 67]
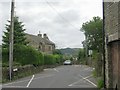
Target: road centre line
[30, 81]
[88, 81]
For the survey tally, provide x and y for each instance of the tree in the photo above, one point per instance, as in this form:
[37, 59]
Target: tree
[19, 35]
[93, 32]
[81, 54]
[57, 51]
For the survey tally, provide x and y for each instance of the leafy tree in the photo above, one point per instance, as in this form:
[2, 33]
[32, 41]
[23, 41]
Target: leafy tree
[19, 35]
[57, 51]
[93, 32]
[81, 54]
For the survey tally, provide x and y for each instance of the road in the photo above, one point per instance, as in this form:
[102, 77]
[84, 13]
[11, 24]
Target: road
[68, 76]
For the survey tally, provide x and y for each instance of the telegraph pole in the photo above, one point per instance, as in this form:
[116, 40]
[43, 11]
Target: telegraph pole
[11, 36]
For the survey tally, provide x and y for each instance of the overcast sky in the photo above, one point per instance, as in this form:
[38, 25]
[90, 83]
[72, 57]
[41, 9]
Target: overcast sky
[60, 19]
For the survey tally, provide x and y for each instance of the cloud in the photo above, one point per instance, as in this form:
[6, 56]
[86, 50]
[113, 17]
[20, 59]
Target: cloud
[60, 19]
[67, 17]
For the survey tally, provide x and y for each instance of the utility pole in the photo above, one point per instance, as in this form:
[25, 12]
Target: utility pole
[11, 36]
[103, 32]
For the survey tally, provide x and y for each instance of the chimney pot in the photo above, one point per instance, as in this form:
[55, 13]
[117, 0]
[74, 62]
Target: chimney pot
[45, 36]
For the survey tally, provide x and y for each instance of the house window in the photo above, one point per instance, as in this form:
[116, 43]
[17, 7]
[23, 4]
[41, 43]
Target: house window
[39, 48]
[49, 48]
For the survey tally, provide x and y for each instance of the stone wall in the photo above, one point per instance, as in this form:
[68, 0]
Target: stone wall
[111, 20]
[112, 43]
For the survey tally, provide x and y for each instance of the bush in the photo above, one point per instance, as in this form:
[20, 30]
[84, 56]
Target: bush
[49, 60]
[5, 55]
[59, 59]
[28, 55]
[100, 83]
[24, 55]
[52, 59]
[94, 73]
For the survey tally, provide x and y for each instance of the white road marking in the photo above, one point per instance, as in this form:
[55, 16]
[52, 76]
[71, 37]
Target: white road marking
[16, 82]
[88, 81]
[56, 69]
[77, 65]
[15, 86]
[87, 68]
[27, 80]
[44, 76]
[73, 84]
[30, 81]
[85, 77]
[48, 69]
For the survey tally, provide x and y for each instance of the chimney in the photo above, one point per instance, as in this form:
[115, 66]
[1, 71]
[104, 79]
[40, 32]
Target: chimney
[40, 35]
[45, 36]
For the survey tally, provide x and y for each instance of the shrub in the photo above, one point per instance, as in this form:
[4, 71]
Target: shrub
[24, 55]
[58, 58]
[100, 83]
[49, 60]
[27, 55]
[5, 55]
[52, 59]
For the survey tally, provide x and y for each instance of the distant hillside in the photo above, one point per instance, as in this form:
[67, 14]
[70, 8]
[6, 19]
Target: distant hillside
[70, 51]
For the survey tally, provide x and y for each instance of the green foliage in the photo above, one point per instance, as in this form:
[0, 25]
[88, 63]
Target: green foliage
[95, 55]
[5, 55]
[24, 55]
[52, 59]
[57, 51]
[93, 32]
[81, 55]
[70, 51]
[49, 60]
[94, 73]
[58, 58]
[19, 35]
[100, 83]
[27, 55]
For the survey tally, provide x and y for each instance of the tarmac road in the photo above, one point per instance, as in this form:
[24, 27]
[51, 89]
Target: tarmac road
[66, 76]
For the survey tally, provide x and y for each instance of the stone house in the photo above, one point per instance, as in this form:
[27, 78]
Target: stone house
[40, 43]
[112, 43]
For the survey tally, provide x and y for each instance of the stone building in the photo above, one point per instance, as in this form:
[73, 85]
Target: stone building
[112, 43]
[40, 43]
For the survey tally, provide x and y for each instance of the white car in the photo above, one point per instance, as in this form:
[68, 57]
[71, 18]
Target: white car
[67, 62]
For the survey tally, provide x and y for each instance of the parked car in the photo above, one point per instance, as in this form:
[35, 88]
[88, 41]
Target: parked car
[67, 62]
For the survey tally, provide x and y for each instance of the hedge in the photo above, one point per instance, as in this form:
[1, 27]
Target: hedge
[49, 60]
[24, 55]
[58, 58]
[52, 59]
[27, 55]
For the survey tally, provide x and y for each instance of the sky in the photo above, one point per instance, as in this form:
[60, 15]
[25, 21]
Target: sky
[61, 20]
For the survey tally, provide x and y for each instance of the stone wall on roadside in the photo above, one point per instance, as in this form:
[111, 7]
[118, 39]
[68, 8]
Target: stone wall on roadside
[21, 71]
[112, 43]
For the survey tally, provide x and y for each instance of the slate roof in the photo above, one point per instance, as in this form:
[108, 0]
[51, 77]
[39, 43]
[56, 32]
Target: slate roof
[38, 39]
